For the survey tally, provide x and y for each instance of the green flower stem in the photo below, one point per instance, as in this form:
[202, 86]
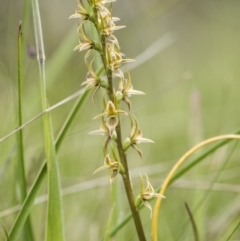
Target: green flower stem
[123, 158]
[127, 184]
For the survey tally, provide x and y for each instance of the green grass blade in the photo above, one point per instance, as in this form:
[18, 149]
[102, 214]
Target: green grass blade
[55, 230]
[27, 206]
[27, 230]
[194, 227]
[110, 222]
[233, 231]
[54, 226]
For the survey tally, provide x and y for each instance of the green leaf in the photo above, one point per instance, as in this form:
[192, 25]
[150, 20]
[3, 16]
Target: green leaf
[29, 201]
[21, 179]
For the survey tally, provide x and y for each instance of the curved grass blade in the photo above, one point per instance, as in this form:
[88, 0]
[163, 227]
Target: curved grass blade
[27, 230]
[128, 217]
[174, 169]
[201, 157]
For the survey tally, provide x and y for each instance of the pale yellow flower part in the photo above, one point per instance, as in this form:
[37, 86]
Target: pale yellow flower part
[81, 12]
[126, 88]
[112, 165]
[136, 135]
[85, 43]
[148, 193]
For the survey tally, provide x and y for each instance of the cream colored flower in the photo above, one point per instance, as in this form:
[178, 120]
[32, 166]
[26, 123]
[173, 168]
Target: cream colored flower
[115, 57]
[136, 137]
[81, 12]
[126, 88]
[112, 116]
[113, 165]
[85, 43]
[104, 131]
[93, 80]
[146, 194]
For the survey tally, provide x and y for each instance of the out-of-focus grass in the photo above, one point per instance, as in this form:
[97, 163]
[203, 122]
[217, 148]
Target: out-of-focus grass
[205, 56]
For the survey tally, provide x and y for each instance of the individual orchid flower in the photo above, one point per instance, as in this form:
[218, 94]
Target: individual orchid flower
[104, 130]
[115, 166]
[115, 59]
[112, 39]
[126, 90]
[93, 80]
[81, 12]
[146, 194]
[108, 25]
[112, 116]
[135, 137]
[84, 41]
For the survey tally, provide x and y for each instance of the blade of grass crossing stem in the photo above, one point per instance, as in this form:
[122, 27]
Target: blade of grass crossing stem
[21, 178]
[54, 226]
[29, 201]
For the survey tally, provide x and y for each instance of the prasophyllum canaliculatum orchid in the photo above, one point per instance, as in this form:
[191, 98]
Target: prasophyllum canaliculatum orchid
[112, 116]
[125, 90]
[146, 194]
[106, 48]
[93, 80]
[104, 131]
[136, 137]
[81, 12]
[114, 165]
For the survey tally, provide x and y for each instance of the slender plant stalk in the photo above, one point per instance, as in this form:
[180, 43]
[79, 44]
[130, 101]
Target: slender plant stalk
[122, 155]
[27, 230]
[194, 226]
[121, 152]
[55, 231]
[174, 169]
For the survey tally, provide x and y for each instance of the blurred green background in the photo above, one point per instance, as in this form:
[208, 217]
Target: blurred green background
[189, 56]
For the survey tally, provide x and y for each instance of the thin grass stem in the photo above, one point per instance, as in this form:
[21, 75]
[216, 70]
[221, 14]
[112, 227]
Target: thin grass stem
[194, 226]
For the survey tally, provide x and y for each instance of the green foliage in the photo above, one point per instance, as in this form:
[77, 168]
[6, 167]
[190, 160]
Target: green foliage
[180, 48]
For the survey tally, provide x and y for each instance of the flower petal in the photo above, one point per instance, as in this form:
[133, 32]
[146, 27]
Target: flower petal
[100, 169]
[146, 203]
